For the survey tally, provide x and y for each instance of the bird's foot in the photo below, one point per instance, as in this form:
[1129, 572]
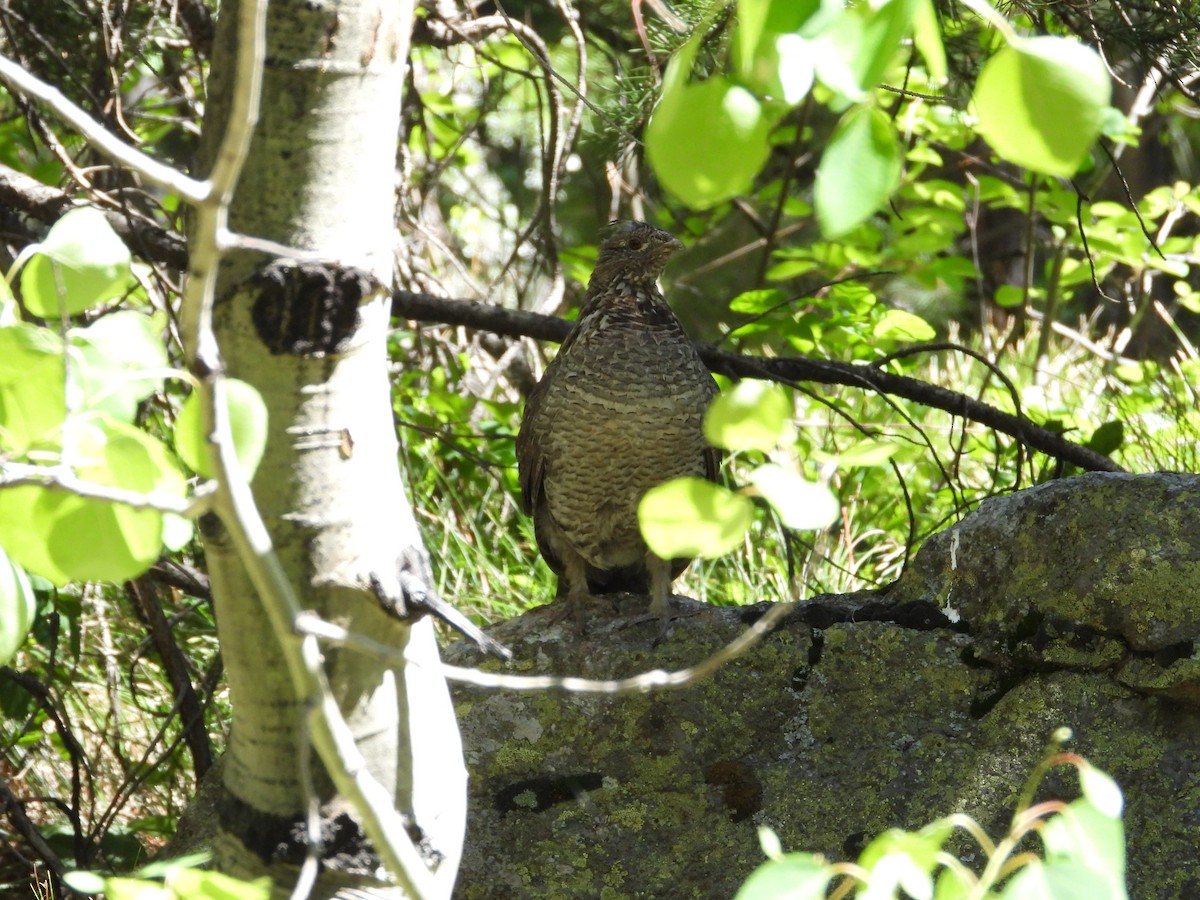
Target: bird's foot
[568, 608]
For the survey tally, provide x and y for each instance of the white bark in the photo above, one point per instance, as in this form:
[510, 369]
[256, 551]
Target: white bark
[320, 178]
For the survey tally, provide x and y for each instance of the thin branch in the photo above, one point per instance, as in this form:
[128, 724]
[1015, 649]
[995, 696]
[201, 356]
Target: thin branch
[63, 478]
[516, 323]
[48, 204]
[101, 138]
[311, 624]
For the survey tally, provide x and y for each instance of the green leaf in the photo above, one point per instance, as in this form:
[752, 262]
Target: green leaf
[64, 537]
[952, 885]
[885, 27]
[866, 453]
[757, 301]
[796, 876]
[82, 262]
[1107, 438]
[247, 418]
[802, 505]
[1083, 835]
[723, 118]
[198, 884]
[31, 385]
[1101, 791]
[693, 517]
[160, 868]
[136, 889]
[10, 313]
[85, 882]
[901, 325]
[1057, 880]
[752, 415]
[927, 36]
[858, 171]
[904, 859]
[768, 840]
[834, 52]
[771, 57]
[1041, 103]
[114, 353]
[18, 607]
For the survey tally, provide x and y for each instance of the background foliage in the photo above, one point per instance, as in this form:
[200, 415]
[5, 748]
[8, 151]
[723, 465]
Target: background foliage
[860, 214]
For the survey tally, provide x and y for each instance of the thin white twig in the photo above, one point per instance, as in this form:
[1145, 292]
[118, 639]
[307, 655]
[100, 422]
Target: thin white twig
[311, 624]
[63, 478]
[101, 138]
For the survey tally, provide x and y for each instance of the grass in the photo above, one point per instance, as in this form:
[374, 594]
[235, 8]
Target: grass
[485, 558]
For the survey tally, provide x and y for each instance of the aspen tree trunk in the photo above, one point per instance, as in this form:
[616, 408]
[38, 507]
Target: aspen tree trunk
[311, 336]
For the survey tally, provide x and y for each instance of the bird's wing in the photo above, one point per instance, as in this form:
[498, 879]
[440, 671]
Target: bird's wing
[530, 460]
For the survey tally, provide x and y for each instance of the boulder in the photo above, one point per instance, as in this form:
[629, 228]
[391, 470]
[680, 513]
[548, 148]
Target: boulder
[1073, 603]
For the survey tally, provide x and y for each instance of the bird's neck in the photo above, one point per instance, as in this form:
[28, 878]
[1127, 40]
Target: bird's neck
[623, 302]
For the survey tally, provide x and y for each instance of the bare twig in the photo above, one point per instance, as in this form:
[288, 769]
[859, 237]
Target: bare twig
[63, 478]
[101, 138]
[311, 624]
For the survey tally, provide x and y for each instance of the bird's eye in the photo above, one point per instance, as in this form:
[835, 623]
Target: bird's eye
[636, 244]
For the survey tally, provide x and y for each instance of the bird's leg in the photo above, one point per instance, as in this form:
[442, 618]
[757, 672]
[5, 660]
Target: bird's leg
[576, 596]
[660, 591]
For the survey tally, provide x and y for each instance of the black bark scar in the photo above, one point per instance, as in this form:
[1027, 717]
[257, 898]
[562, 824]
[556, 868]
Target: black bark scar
[308, 310]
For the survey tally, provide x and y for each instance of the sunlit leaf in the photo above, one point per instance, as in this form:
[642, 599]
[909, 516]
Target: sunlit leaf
[200, 884]
[114, 351]
[10, 314]
[768, 840]
[136, 889]
[801, 504]
[1009, 296]
[952, 885]
[866, 453]
[904, 859]
[18, 606]
[64, 537]
[927, 36]
[81, 263]
[1041, 102]
[859, 169]
[85, 882]
[1083, 834]
[772, 57]
[1057, 880]
[1101, 791]
[725, 119]
[751, 415]
[885, 27]
[757, 301]
[32, 400]
[693, 517]
[901, 325]
[796, 876]
[247, 418]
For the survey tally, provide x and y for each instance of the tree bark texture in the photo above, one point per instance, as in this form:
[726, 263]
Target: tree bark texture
[310, 335]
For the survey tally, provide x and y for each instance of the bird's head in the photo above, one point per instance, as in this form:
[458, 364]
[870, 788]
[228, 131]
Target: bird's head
[634, 252]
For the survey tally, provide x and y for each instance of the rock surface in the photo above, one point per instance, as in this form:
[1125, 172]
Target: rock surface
[1075, 603]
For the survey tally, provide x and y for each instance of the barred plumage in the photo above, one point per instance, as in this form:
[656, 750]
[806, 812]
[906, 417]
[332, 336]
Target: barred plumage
[618, 411]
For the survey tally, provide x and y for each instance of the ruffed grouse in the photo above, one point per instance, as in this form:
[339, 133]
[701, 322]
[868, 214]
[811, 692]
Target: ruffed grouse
[617, 412]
